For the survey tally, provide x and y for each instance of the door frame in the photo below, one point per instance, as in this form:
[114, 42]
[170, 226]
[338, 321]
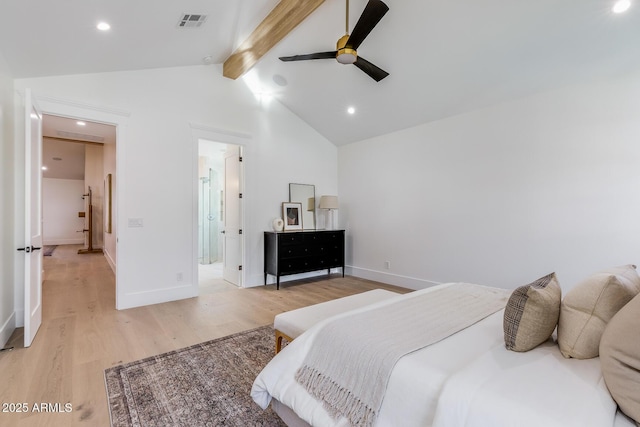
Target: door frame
[110, 116]
[200, 131]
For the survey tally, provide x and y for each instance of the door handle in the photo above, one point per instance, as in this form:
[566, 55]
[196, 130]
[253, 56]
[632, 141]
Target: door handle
[29, 249]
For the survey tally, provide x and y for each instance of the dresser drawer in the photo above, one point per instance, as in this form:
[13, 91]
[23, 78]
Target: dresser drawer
[298, 265]
[331, 236]
[296, 251]
[286, 239]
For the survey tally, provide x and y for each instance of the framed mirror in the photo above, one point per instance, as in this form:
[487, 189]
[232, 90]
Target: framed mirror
[305, 194]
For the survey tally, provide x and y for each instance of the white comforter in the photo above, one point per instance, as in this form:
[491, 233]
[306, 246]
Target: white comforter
[467, 380]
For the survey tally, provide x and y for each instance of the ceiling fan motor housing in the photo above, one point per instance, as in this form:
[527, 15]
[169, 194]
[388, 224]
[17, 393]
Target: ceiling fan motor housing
[345, 55]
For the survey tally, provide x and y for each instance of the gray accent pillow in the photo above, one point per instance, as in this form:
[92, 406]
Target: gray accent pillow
[620, 358]
[587, 308]
[531, 314]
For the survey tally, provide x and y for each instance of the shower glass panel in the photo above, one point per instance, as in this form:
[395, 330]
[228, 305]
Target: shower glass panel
[208, 219]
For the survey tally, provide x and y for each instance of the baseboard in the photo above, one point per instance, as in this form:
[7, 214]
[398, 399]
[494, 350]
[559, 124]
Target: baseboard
[7, 329]
[51, 242]
[389, 278]
[110, 261]
[156, 296]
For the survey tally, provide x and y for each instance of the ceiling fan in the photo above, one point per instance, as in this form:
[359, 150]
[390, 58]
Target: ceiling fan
[348, 44]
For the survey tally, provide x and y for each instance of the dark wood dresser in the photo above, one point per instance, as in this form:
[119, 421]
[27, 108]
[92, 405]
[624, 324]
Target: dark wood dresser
[294, 252]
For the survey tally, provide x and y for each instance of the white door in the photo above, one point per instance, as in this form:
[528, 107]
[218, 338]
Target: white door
[33, 220]
[232, 242]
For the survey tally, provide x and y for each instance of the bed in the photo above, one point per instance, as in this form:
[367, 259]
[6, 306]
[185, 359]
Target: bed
[468, 379]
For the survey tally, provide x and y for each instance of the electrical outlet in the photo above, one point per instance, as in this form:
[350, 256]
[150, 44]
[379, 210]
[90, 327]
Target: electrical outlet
[387, 265]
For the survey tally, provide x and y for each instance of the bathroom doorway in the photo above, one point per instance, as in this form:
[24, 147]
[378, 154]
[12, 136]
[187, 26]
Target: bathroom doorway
[215, 216]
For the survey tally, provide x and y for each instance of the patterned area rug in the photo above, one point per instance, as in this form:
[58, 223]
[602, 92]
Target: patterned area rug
[207, 384]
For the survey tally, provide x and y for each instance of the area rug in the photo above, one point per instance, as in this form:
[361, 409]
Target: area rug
[207, 384]
[48, 250]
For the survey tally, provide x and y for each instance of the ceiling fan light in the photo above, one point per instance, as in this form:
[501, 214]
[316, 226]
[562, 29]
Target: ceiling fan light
[347, 56]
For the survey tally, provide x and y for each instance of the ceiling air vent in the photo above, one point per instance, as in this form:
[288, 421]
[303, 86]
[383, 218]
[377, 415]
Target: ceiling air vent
[191, 20]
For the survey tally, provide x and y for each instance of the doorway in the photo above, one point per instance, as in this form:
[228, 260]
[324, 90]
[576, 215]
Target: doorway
[219, 216]
[78, 157]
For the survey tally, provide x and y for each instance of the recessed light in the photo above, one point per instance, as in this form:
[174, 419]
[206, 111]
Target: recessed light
[44, 168]
[621, 6]
[351, 110]
[81, 123]
[103, 26]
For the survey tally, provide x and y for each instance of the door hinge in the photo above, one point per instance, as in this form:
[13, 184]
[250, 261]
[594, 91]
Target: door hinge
[239, 268]
[240, 195]
[240, 231]
[240, 159]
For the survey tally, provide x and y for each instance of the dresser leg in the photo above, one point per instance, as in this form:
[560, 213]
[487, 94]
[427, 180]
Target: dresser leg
[278, 283]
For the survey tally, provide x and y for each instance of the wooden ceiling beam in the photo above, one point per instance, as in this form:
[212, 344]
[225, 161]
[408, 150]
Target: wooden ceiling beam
[281, 21]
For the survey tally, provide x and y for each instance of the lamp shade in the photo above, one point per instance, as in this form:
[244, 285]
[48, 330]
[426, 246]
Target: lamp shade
[328, 202]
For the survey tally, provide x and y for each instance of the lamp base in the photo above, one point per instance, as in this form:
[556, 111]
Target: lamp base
[330, 222]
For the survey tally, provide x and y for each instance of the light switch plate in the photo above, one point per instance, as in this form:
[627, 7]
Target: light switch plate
[135, 222]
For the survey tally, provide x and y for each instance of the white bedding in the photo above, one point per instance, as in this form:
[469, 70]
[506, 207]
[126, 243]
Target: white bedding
[467, 380]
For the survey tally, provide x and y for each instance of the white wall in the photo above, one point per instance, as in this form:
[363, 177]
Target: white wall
[7, 243]
[500, 196]
[61, 202]
[156, 157]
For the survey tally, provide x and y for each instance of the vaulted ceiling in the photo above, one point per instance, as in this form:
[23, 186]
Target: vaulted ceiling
[444, 57]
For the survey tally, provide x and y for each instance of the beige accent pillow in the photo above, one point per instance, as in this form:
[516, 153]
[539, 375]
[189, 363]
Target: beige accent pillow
[531, 314]
[587, 308]
[620, 358]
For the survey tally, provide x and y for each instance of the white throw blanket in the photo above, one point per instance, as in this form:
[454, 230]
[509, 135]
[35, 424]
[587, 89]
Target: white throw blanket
[348, 367]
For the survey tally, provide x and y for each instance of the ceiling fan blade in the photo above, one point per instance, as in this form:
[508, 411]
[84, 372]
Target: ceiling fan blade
[319, 55]
[372, 14]
[375, 72]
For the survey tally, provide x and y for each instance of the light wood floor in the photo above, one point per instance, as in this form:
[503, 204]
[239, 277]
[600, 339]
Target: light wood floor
[82, 334]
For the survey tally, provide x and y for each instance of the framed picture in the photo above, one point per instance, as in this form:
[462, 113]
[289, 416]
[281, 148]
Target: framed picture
[292, 216]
